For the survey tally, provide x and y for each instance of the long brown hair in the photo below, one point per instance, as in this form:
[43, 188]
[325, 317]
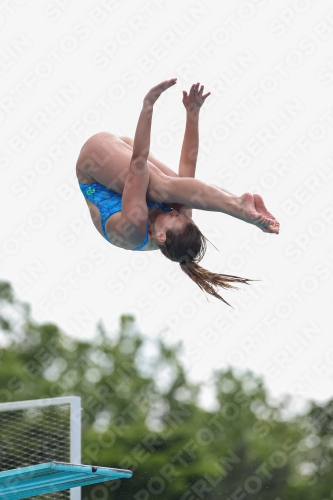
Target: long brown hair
[188, 248]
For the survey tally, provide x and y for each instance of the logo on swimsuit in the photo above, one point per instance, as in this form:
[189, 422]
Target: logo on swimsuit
[90, 190]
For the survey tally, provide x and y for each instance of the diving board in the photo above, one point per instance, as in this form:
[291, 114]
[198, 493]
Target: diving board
[39, 479]
[41, 431]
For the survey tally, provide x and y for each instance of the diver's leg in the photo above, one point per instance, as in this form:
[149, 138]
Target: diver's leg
[197, 194]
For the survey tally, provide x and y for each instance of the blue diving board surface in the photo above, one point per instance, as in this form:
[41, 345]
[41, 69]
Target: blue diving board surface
[39, 479]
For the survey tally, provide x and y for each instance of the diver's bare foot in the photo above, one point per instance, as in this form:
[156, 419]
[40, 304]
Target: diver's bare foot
[261, 209]
[252, 216]
[260, 206]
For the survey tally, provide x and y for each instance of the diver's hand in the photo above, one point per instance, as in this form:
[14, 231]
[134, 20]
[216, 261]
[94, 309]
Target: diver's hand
[195, 99]
[156, 91]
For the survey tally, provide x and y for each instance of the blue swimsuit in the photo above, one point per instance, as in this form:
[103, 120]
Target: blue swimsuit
[108, 203]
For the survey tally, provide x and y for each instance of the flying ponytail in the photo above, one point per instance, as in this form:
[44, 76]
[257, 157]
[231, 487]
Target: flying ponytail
[208, 281]
[188, 248]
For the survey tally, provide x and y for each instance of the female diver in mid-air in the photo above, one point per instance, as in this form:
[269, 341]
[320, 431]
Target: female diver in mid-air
[138, 203]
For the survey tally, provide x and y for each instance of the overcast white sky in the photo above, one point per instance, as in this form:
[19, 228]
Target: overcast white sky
[72, 68]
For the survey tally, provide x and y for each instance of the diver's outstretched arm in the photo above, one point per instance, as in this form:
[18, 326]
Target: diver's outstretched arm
[190, 148]
[141, 142]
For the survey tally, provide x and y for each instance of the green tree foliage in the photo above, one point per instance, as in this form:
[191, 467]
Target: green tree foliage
[140, 412]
